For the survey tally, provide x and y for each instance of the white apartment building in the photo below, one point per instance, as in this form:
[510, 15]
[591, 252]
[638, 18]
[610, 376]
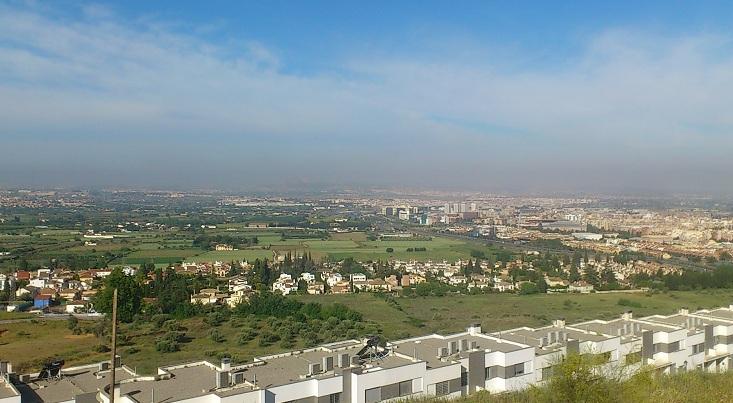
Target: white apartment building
[360, 371]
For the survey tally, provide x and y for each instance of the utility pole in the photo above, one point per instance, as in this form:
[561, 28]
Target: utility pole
[114, 348]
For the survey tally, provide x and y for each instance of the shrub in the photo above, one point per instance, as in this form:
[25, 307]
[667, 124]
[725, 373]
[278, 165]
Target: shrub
[101, 348]
[169, 342]
[390, 250]
[215, 336]
[268, 338]
[628, 302]
[246, 336]
[72, 323]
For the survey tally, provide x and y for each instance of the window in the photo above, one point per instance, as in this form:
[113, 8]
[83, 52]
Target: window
[373, 395]
[546, 373]
[698, 348]
[442, 388]
[633, 358]
[657, 348]
[490, 373]
[334, 398]
[464, 378]
[405, 388]
[672, 347]
[518, 369]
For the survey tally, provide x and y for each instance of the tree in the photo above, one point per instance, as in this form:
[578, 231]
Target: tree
[574, 274]
[591, 276]
[542, 285]
[528, 288]
[129, 296]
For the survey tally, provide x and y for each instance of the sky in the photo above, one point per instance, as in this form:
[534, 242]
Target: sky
[515, 96]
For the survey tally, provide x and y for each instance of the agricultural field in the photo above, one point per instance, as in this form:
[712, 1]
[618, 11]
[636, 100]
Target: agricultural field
[28, 344]
[40, 246]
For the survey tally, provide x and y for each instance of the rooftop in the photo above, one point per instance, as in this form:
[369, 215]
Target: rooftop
[426, 348]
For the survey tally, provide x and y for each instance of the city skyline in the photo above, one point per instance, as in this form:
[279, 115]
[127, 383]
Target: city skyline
[532, 98]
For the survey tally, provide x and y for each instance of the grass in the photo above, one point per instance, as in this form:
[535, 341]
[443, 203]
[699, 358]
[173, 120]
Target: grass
[166, 247]
[26, 344]
[645, 387]
[230, 255]
[497, 312]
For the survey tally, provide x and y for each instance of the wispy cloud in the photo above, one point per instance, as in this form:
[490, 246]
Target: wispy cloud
[638, 107]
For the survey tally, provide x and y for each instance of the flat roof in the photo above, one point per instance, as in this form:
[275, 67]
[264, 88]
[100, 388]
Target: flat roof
[73, 382]
[426, 347]
[533, 337]
[719, 313]
[185, 383]
[616, 327]
[696, 321]
[6, 390]
[292, 367]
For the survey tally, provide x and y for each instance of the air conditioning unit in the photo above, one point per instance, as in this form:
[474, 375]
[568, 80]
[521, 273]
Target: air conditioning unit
[238, 378]
[327, 364]
[222, 379]
[453, 347]
[314, 368]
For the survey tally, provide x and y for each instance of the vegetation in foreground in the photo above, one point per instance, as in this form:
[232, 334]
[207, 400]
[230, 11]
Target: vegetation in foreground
[575, 380]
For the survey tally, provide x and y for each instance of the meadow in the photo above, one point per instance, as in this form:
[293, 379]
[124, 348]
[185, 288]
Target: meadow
[163, 248]
[28, 344]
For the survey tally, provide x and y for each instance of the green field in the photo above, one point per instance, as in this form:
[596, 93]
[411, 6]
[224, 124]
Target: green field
[496, 312]
[171, 247]
[232, 255]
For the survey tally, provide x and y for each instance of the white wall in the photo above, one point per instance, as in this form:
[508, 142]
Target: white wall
[361, 382]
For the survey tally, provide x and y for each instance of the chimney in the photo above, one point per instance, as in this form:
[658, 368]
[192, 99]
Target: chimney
[474, 329]
[226, 364]
[628, 315]
[684, 311]
[559, 323]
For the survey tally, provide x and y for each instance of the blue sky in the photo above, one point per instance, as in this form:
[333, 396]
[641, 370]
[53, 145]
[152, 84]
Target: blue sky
[522, 96]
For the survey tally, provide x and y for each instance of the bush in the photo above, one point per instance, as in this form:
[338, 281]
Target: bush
[101, 348]
[169, 343]
[628, 302]
[215, 336]
[72, 323]
[167, 346]
[159, 320]
[215, 319]
[246, 336]
[390, 250]
[268, 338]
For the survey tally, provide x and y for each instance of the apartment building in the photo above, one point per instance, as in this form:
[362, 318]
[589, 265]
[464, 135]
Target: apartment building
[646, 343]
[368, 371]
[552, 343]
[467, 362]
